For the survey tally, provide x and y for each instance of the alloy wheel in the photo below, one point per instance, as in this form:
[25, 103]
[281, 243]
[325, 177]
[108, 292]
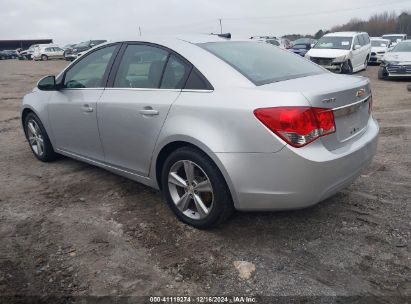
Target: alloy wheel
[190, 189]
[35, 137]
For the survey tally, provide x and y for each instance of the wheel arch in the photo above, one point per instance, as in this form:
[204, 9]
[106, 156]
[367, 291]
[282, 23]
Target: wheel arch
[171, 145]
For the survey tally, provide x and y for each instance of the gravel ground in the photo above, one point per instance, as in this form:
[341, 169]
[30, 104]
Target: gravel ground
[71, 229]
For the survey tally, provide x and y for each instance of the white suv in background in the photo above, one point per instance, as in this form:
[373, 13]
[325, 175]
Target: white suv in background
[379, 46]
[342, 52]
[395, 38]
[48, 51]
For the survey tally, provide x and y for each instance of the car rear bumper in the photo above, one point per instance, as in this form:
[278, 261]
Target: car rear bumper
[297, 178]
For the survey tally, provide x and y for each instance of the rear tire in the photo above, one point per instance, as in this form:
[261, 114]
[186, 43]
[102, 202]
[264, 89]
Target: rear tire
[206, 187]
[38, 139]
[44, 58]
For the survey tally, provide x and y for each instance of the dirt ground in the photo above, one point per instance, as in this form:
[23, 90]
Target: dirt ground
[71, 229]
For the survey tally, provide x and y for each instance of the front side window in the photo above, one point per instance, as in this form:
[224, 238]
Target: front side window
[89, 71]
[356, 42]
[141, 67]
[339, 43]
[262, 63]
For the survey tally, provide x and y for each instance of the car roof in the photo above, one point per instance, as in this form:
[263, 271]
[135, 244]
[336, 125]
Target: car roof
[343, 34]
[378, 38]
[213, 68]
[394, 35]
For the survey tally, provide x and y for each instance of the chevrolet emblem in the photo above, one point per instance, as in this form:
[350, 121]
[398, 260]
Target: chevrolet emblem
[360, 93]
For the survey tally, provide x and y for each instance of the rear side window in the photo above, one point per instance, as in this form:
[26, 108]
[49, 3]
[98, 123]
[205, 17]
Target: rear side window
[175, 74]
[262, 63]
[141, 67]
[196, 81]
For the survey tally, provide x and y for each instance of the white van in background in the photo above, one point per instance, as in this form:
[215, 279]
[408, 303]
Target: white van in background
[395, 38]
[342, 52]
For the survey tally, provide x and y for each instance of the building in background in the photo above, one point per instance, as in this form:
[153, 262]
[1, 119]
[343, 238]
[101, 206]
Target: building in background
[21, 44]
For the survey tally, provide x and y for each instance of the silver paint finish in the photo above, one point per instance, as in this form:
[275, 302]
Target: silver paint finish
[124, 131]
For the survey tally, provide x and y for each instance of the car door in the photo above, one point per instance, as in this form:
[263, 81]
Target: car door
[146, 81]
[356, 53]
[58, 53]
[72, 109]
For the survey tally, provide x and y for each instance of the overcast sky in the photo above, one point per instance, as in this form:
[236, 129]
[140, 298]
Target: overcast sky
[73, 21]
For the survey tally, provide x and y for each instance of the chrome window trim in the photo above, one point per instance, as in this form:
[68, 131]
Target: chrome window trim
[158, 89]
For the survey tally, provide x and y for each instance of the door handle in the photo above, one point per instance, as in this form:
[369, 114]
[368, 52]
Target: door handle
[148, 111]
[87, 108]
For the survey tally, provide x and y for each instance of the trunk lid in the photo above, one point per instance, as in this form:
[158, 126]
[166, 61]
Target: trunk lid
[348, 96]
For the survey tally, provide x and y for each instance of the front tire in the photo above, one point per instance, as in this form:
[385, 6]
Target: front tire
[381, 74]
[44, 58]
[38, 139]
[347, 68]
[366, 64]
[195, 189]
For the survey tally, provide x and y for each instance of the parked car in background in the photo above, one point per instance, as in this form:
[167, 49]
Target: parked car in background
[280, 42]
[4, 55]
[161, 121]
[78, 49]
[301, 48]
[342, 52]
[397, 62]
[68, 46]
[29, 52]
[12, 54]
[309, 41]
[395, 38]
[47, 52]
[379, 47]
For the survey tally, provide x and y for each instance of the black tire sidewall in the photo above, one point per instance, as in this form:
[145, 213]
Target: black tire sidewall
[49, 153]
[44, 57]
[222, 199]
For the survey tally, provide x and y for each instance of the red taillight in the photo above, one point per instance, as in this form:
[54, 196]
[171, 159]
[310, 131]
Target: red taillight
[298, 126]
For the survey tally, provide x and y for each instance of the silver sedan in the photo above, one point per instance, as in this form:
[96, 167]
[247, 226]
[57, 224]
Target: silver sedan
[216, 124]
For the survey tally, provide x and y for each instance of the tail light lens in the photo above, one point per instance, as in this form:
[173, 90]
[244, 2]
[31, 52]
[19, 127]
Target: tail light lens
[298, 126]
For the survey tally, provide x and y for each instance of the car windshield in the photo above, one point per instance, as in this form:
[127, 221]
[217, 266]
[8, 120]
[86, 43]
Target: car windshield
[273, 42]
[83, 44]
[393, 38]
[379, 43]
[301, 41]
[300, 46]
[402, 47]
[339, 43]
[262, 63]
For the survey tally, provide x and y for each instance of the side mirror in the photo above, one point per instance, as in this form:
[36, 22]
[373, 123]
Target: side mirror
[357, 47]
[47, 83]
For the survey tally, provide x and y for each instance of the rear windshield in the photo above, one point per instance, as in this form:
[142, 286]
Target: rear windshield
[262, 63]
